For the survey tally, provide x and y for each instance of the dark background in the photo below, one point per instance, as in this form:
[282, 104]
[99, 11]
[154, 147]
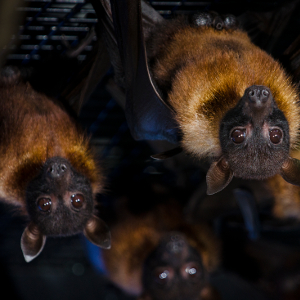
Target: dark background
[68, 267]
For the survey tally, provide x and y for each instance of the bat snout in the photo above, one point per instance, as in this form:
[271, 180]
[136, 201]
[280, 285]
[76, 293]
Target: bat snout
[56, 170]
[259, 96]
[57, 167]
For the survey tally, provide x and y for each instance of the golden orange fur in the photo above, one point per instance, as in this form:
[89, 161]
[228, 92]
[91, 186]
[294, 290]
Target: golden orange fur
[135, 237]
[214, 69]
[34, 128]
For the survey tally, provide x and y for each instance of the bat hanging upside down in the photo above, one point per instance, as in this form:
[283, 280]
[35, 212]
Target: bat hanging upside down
[158, 255]
[47, 169]
[204, 84]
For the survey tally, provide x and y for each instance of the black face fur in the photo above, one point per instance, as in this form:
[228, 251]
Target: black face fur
[248, 132]
[174, 270]
[59, 200]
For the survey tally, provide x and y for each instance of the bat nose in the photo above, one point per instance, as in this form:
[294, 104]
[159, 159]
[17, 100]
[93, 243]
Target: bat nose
[176, 243]
[258, 96]
[56, 170]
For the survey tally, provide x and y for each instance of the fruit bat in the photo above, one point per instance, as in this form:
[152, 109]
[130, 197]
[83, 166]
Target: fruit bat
[157, 255]
[199, 81]
[48, 170]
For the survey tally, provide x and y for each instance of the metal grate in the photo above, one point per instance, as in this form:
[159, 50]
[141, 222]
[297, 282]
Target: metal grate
[45, 24]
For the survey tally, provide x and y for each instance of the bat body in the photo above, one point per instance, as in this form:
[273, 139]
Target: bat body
[157, 255]
[47, 169]
[233, 102]
[229, 101]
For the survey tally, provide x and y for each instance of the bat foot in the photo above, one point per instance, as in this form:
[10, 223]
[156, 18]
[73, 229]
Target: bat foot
[212, 19]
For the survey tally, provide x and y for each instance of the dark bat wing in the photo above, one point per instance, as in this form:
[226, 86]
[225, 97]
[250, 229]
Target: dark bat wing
[148, 115]
[81, 86]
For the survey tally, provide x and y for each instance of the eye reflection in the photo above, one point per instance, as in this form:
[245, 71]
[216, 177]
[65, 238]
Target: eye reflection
[44, 204]
[238, 135]
[77, 200]
[275, 135]
[163, 275]
[191, 271]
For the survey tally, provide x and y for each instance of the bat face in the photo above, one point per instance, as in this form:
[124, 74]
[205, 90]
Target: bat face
[59, 199]
[254, 135]
[174, 270]
[60, 202]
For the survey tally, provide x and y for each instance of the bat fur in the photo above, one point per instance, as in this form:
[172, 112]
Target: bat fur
[214, 80]
[134, 237]
[37, 134]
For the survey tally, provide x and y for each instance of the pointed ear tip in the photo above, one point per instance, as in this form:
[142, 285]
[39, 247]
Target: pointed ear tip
[33, 246]
[208, 190]
[28, 258]
[99, 241]
[211, 191]
[106, 246]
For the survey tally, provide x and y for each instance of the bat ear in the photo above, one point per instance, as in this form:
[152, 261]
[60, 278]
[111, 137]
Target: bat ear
[290, 171]
[32, 242]
[218, 176]
[97, 232]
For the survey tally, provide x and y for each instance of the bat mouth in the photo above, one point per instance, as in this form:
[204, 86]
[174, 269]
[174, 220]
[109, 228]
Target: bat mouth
[257, 167]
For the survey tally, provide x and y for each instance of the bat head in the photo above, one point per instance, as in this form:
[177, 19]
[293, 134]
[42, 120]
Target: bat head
[60, 203]
[174, 270]
[254, 137]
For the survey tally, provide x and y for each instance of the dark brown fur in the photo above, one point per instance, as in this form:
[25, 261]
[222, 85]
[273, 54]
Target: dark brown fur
[135, 237]
[33, 130]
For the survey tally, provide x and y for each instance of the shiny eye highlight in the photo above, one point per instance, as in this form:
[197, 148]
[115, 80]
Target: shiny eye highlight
[191, 271]
[238, 135]
[275, 135]
[44, 204]
[77, 200]
[163, 275]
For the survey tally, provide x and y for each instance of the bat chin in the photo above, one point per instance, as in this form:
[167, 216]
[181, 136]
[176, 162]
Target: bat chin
[257, 167]
[257, 174]
[222, 171]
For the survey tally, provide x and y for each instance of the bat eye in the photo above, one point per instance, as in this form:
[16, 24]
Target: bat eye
[77, 200]
[275, 135]
[238, 135]
[191, 270]
[162, 275]
[44, 204]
